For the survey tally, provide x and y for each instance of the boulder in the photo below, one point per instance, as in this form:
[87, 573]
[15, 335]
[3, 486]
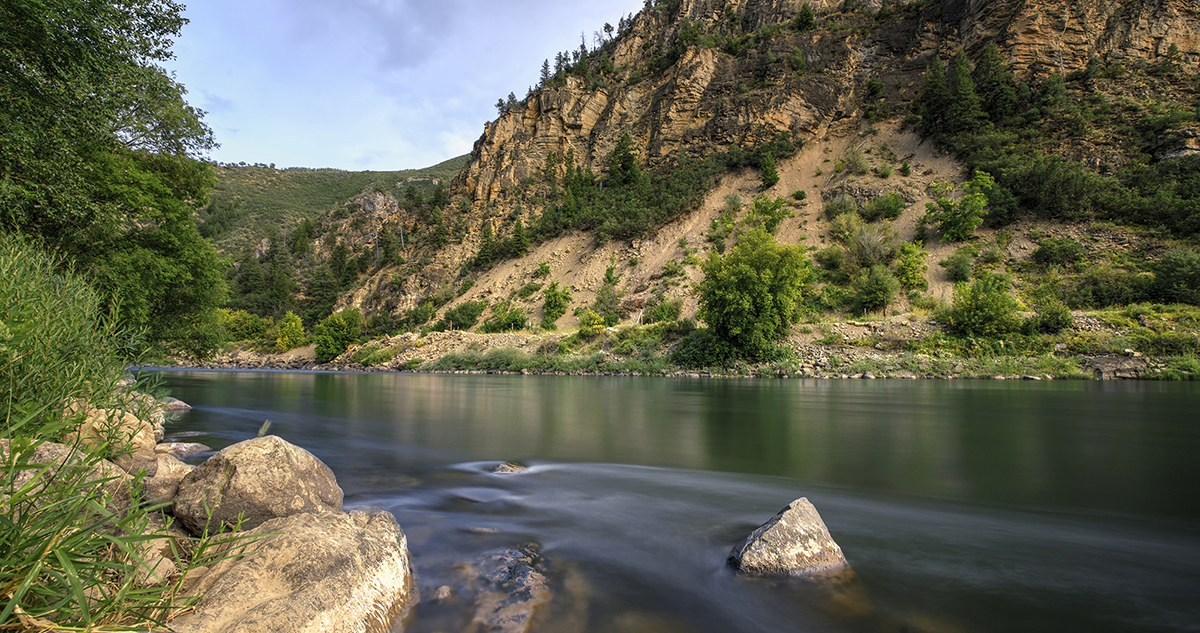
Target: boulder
[313, 573]
[63, 463]
[164, 485]
[130, 439]
[256, 480]
[795, 542]
[181, 450]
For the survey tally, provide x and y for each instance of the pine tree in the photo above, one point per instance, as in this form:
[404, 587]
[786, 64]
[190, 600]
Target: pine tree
[520, 240]
[995, 85]
[934, 99]
[965, 112]
[770, 175]
[545, 76]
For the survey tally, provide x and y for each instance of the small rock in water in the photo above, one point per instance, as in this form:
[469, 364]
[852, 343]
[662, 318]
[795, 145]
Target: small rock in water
[794, 542]
[508, 468]
[442, 593]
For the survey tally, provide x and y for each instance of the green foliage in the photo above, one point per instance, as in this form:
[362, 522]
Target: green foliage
[291, 333]
[543, 270]
[856, 162]
[57, 342]
[555, 304]
[958, 219]
[703, 348]
[465, 287]
[1177, 276]
[505, 318]
[960, 265]
[911, 267]
[983, 308]
[607, 305]
[768, 213]
[240, 325]
[841, 205]
[872, 245]
[805, 20]
[464, 315]
[337, 332]
[887, 207]
[874, 289]
[750, 297]
[1059, 251]
[371, 354]
[770, 175]
[528, 289]
[662, 310]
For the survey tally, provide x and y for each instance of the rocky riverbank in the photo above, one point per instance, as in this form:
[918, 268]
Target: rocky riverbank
[898, 348]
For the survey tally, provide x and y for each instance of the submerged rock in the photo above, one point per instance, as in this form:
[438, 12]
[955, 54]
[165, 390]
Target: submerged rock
[515, 590]
[255, 481]
[314, 573]
[795, 542]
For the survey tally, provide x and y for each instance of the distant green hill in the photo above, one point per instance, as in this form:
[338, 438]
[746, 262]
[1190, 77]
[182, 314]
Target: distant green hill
[253, 201]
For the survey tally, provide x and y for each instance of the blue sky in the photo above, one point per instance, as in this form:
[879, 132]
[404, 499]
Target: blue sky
[368, 84]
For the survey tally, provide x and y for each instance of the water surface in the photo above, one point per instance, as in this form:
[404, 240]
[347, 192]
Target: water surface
[962, 506]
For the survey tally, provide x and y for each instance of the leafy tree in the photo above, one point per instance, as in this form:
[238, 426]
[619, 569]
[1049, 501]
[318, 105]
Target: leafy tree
[337, 332]
[750, 297]
[555, 304]
[768, 213]
[958, 219]
[291, 333]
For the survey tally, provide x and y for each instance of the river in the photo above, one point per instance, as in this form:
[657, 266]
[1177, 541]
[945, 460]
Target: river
[972, 506]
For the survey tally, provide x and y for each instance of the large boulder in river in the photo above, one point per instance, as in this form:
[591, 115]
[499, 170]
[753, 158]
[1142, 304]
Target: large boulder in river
[794, 542]
[311, 573]
[256, 480]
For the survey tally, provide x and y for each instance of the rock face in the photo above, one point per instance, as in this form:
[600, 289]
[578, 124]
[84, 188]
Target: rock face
[309, 573]
[260, 479]
[794, 542]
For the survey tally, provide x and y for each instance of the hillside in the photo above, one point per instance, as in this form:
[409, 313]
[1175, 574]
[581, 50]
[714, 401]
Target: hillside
[250, 200]
[697, 120]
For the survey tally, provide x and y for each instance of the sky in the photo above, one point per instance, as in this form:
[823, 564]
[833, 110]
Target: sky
[368, 84]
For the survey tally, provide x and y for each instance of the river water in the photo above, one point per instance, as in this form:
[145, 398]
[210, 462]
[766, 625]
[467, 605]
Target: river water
[961, 505]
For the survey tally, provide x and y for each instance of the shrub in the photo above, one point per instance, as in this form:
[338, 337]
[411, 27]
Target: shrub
[856, 162]
[1058, 251]
[875, 289]
[528, 289]
[959, 265]
[663, 311]
[555, 304]
[337, 332]
[983, 308]
[910, 269]
[887, 207]
[839, 206]
[464, 315]
[750, 297]
[505, 318]
[1052, 316]
[1177, 276]
[958, 219]
[543, 270]
[702, 348]
[291, 333]
[768, 213]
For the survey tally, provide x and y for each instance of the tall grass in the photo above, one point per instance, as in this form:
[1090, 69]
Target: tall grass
[72, 531]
